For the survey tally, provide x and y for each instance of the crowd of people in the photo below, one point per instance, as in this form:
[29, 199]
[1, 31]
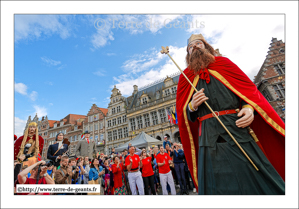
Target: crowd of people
[135, 171]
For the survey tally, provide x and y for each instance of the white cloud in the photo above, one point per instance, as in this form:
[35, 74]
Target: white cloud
[33, 95]
[244, 39]
[36, 26]
[134, 24]
[125, 82]
[51, 104]
[41, 111]
[21, 88]
[50, 61]
[99, 73]
[19, 126]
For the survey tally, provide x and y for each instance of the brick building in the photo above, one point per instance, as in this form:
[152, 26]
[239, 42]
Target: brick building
[270, 79]
[95, 124]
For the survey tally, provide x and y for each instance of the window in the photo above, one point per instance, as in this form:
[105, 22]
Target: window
[96, 127]
[90, 119]
[109, 123]
[280, 68]
[109, 136]
[124, 118]
[119, 120]
[154, 117]
[91, 128]
[75, 138]
[71, 138]
[113, 110]
[61, 123]
[101, 125]
[281, 50]
[76, 128]
[114, 122]
[96, 117]
[162, 115]
[279, 89]
[126, 132]
[120, 133]
[64, 131]
[167, 92]
[86, 128]
[55, 125]
[45, 133]
[118, 109]
[79, 137]
[144, 100]
[146, 120]
[114, 134]
[266, 95]
[132, 121]
[139, 121]
[173, 90]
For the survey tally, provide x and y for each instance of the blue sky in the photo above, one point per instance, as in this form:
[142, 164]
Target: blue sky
[65, 63]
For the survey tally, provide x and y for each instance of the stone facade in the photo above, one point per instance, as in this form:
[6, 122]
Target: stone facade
[147, 109]
[95, 124]
[270, 79]
[116, 121]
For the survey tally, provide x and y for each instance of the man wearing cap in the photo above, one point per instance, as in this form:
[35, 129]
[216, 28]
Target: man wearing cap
[86, 147]
[216, 163]
[30, 137]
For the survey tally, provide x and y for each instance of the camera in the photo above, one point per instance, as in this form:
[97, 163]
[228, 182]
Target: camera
[27, 146]
[74, 167]
[49, 163]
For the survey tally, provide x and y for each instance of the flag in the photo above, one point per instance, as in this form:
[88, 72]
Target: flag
[82, 136]
[176, 117]
[169, 116]
[173, 117]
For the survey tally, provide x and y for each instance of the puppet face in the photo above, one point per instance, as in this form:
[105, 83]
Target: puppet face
[60, 137]
[195, 45]
[87, 136]
[31, 129]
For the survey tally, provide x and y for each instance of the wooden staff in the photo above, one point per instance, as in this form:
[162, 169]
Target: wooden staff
[166, 51]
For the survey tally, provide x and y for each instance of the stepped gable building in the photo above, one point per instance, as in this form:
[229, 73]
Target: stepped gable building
[116, 121]
[146, 109]
[95, 124]
[270, 79]
[71, 126]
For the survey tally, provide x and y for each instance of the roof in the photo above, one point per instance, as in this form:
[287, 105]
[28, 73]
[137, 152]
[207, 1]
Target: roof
[51, 123]
[104, 110]
[141, 140]
[154, 92]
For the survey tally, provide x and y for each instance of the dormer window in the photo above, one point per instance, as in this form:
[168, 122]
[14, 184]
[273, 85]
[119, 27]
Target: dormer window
[173, 90]
[167, 92]
[55, 125]
[144, 100]
[61, 123]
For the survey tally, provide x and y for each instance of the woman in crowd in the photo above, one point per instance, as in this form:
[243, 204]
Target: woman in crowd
[108, 178]
[147, 172]
[94, 172]
[118, 177]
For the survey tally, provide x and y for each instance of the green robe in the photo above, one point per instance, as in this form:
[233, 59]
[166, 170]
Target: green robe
[222, 167]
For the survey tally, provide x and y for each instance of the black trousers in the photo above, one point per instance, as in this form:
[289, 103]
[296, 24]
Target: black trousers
[149, 181]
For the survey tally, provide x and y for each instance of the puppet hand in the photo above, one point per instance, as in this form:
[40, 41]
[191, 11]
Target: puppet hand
[247, 119]
[198, 98]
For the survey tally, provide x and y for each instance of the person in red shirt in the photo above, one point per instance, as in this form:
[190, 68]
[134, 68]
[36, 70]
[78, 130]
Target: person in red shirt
[44, 177]
[118, 177]
[163, 161]
[147, 172]
[132, 163]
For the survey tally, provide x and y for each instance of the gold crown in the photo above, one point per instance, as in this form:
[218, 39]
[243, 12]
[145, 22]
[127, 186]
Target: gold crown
[32, 124]
[195, 37]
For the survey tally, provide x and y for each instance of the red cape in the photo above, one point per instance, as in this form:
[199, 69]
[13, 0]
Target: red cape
[267, 125]
[18, 143]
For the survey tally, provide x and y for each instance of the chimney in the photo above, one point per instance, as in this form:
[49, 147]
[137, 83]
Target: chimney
[135, 89]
